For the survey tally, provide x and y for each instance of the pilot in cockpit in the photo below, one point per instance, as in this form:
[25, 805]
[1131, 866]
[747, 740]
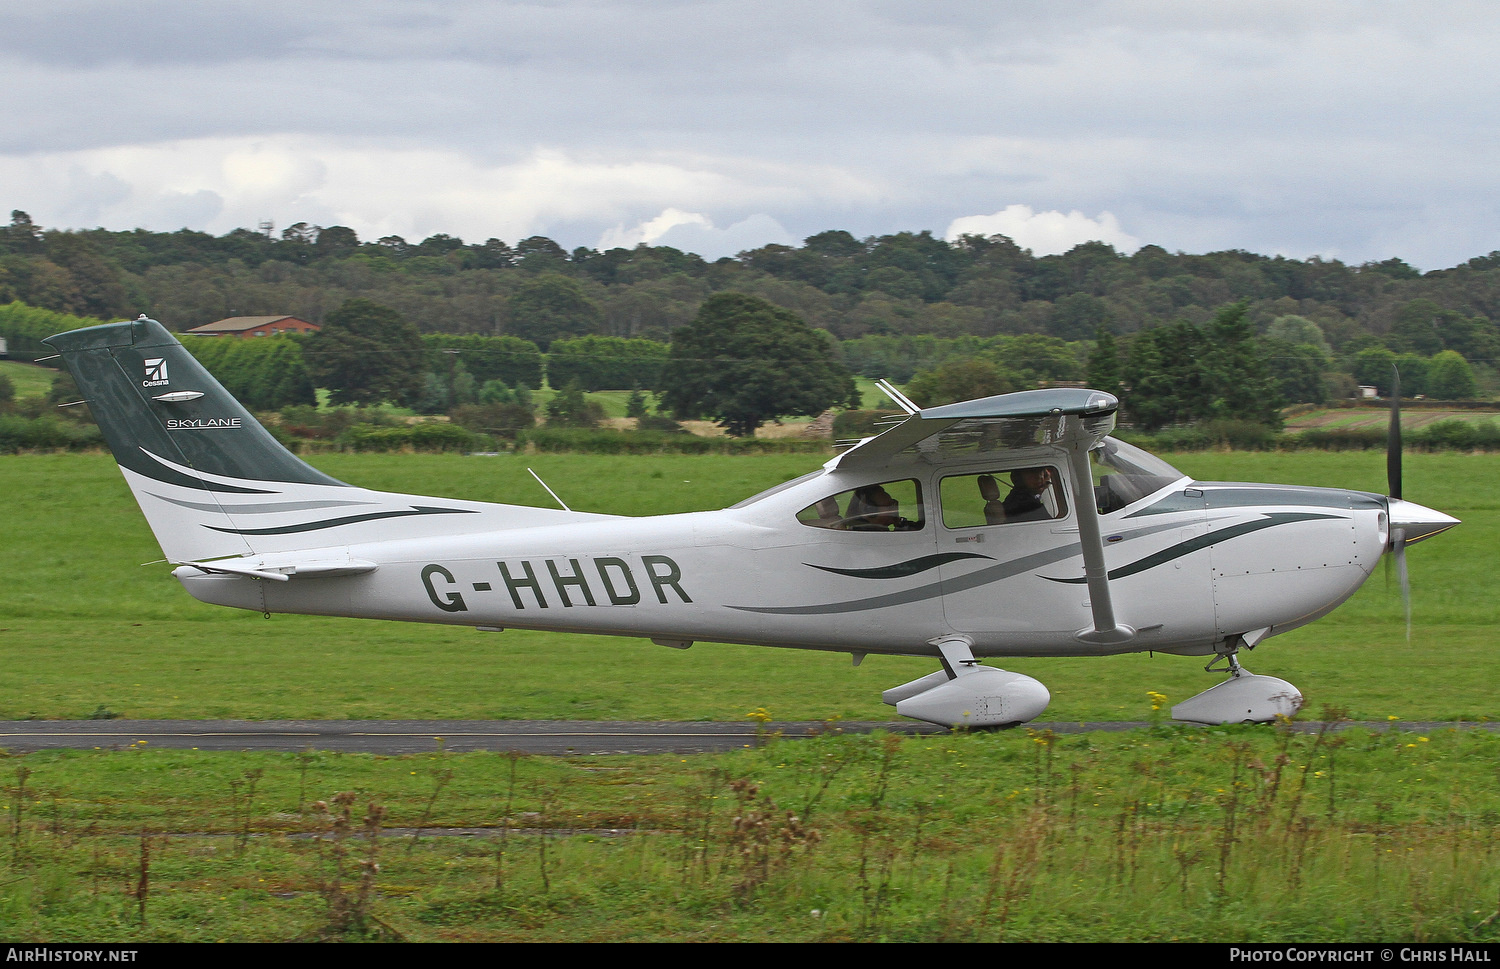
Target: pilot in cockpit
[877, 511]
[1024, 503]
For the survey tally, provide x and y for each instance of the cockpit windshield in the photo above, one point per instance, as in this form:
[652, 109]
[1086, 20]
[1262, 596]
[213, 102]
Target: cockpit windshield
[1123, 473]
[778, 489]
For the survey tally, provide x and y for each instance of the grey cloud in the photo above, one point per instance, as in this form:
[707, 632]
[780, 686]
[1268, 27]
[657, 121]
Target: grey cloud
[1300, 127]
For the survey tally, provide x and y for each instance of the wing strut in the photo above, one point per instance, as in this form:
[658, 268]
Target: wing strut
[1107, 631]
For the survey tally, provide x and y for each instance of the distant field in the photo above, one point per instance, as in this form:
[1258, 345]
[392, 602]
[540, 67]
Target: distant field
[1412, 418]
[84, 625]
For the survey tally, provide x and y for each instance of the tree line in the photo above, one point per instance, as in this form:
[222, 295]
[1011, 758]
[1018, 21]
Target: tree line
[905, 283]
[977, 314]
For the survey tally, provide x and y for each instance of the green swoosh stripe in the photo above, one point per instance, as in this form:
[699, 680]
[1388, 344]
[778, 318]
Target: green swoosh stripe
[1192, 545]
[902, 569]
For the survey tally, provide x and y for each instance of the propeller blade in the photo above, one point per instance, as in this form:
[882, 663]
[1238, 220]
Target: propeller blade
[1393, 481]
[1393, 438]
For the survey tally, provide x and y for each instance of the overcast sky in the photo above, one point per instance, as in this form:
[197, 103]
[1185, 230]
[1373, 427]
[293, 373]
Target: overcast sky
[1356, 130]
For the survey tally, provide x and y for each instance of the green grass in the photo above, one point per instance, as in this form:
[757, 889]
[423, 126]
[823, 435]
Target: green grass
[29, 379]
[613, 401]
[83, 623]
[872, 398]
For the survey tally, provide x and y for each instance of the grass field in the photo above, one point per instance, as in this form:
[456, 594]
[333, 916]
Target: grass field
[84, 624]
[28, 379]
[1161, 833]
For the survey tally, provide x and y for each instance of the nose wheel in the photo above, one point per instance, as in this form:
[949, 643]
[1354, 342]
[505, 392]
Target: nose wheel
[1243, 698]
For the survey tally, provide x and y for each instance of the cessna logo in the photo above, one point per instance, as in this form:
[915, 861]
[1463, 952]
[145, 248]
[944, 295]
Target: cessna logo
[566, 581]
[156, 372]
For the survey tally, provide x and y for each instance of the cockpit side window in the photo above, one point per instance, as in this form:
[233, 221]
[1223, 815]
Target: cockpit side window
[1003, 497]
[893, 506]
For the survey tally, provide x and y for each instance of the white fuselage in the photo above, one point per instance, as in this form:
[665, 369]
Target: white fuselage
[1191, 565]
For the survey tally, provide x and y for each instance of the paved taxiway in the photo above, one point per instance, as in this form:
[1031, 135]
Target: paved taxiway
[558, 737]
[555, 737]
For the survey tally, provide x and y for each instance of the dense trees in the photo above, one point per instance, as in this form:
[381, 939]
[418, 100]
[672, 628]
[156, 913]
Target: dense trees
[960, 379]
[895, 305]
[1179, 373]
[743, 361]
[367, 353]
[1238, 382]
[551, 307]
[1450, 377]
[1162, 381]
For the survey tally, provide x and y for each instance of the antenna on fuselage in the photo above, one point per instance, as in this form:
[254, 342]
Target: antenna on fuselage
[896, 396]
[549, 490]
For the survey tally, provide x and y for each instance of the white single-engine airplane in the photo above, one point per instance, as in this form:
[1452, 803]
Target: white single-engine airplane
[1008, 526]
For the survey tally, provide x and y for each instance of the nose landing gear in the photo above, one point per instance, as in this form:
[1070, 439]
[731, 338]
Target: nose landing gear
[1243, 698]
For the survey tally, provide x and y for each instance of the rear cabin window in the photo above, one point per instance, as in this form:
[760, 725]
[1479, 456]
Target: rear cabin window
[1003, 497]
[893, 506]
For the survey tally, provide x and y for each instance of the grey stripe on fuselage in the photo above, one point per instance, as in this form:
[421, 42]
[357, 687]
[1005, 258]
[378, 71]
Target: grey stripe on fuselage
[268, 509]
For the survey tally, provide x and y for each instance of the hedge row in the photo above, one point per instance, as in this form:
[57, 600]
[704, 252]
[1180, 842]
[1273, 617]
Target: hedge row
[554, 440]
[434, 437]
[439, 437]
[24, 327]
[261, 374]
[606, 363]
[46, 433]
[516, 362]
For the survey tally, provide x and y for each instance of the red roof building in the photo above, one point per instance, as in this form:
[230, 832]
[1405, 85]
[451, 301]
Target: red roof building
[248, 326]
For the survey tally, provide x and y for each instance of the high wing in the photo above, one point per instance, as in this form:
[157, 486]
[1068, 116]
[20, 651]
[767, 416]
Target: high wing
[1002, 423]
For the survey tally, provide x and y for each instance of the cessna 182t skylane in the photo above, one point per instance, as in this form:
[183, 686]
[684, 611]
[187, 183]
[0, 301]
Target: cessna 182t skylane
[900, 545]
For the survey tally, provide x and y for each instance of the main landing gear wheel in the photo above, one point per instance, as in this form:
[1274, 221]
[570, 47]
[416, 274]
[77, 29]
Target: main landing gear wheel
[966, 694]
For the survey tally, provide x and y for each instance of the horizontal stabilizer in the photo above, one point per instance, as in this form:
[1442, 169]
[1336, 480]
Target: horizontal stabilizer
[283, 568]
